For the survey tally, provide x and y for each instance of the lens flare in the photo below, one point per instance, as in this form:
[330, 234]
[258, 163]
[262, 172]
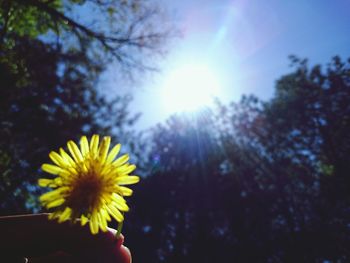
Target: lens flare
[189, 88]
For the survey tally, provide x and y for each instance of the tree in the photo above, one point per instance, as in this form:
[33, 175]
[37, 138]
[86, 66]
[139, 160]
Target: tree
[123, 30]
[249, 181]
[48, 95]
[312, 107]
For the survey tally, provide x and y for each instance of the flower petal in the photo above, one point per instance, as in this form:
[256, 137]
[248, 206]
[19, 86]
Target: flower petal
[103, 151]
[45, 182]
[84, 146]
[54, 194]
[126, 169]
[54, 215]
[121, 160]
[121, 206]
[117, 198]
[105, 214]
[125, 180]
[66, 157]
[75, 152]
[51, 169]
[125, 191]
[94, 145]
[65, 215]
[115, 213]
[94, 223]
[83, 220]
[113, 153]
[57, 159]
[57, 181]
[103, 222]
[56, 202]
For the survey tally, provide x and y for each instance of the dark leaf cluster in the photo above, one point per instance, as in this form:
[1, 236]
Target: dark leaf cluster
[252, 181]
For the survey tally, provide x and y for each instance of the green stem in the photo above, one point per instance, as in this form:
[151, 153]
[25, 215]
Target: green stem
[119, 229]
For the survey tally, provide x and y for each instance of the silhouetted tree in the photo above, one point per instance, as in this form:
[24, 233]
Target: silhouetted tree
[252, 181]
[51, 57]
[104, 30]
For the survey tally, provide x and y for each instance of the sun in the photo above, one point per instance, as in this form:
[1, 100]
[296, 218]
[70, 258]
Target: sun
[190, 88]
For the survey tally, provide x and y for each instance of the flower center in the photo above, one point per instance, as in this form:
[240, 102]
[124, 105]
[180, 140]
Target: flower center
[86, 193]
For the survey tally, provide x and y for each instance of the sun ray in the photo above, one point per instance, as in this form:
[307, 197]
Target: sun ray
[190, 88]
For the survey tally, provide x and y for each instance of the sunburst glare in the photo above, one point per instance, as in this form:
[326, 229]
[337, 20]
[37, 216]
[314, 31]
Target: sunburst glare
[190, 88]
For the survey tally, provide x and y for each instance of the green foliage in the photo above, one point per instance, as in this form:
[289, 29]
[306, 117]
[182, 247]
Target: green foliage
[47, 106]
[21, 20]
[50, 64]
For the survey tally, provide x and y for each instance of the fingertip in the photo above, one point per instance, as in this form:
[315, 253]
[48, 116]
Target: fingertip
[112, 236]
[125, 255]
[121, 252]
[120, 240]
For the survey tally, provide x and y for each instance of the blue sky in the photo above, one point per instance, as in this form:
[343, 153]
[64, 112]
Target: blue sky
[246, 43]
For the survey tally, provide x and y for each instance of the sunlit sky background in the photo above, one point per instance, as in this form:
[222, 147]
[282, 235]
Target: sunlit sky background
[240, 47]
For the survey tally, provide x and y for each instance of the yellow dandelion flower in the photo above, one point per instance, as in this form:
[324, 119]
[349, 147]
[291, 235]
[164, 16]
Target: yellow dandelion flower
[89, 183]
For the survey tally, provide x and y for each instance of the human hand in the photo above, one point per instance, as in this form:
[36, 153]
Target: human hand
[34, 238]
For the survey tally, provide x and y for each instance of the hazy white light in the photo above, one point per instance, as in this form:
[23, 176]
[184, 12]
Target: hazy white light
[189, 88]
